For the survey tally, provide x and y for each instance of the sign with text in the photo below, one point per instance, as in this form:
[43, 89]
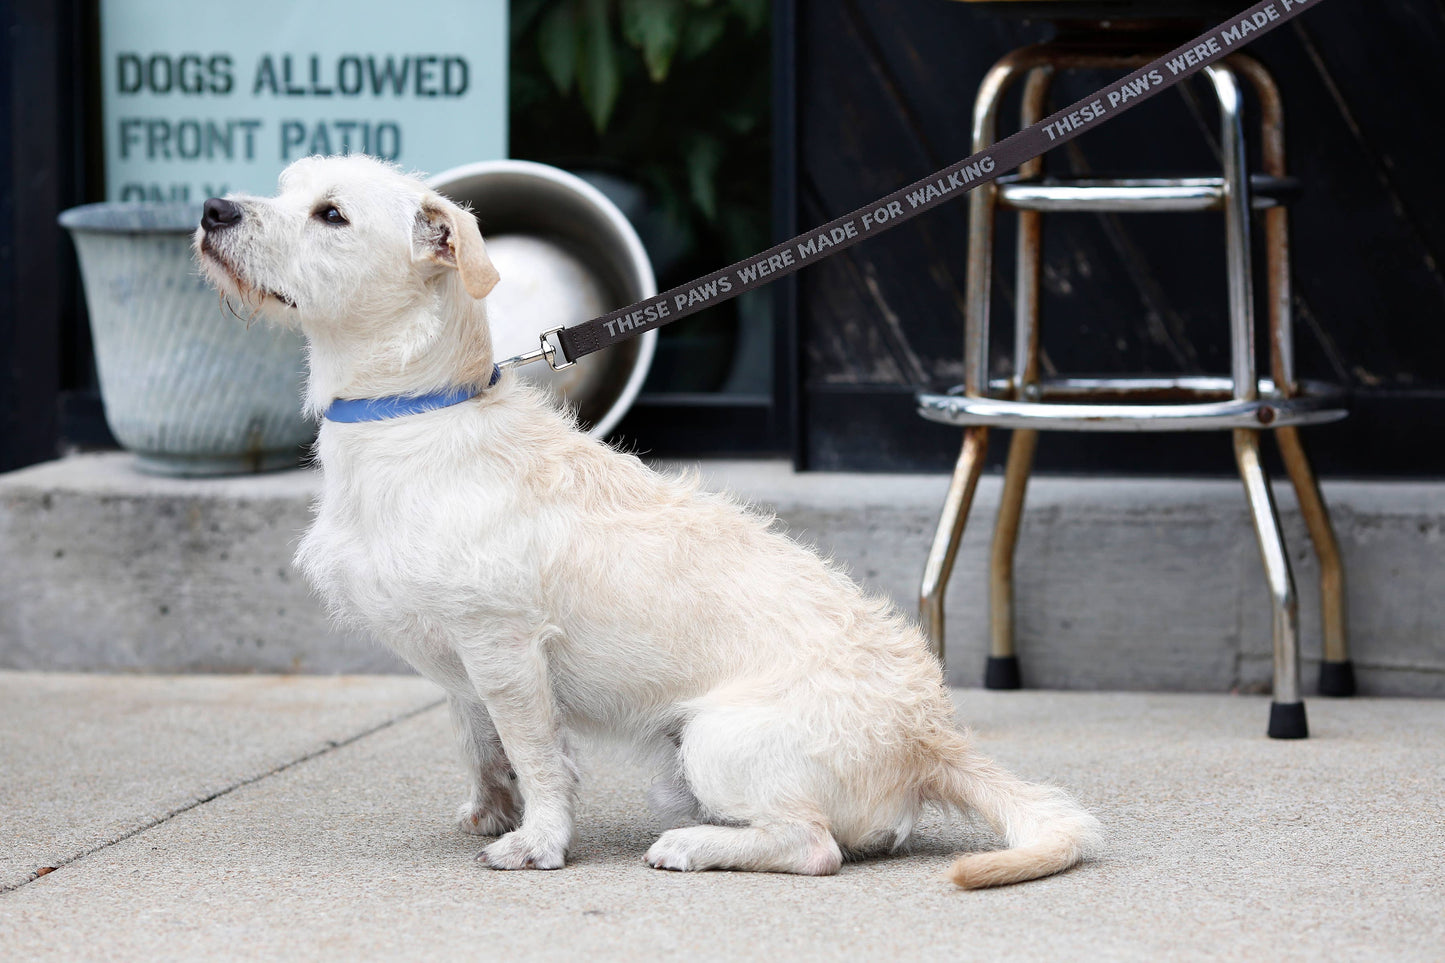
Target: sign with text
[205, 98]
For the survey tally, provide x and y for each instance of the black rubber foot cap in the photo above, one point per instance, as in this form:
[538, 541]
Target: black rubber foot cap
[1002, 672]
[1337, 678]
[1287, 721]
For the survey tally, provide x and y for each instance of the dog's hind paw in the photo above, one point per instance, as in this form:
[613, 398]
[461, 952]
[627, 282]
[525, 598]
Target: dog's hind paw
[490, 810]
[484, 821]
[670, 852]
[518, 850]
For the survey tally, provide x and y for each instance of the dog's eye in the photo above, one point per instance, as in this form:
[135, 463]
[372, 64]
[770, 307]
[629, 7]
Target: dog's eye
[330, 215]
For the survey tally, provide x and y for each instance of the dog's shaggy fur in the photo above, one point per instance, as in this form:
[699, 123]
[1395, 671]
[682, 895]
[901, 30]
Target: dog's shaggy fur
[553, 585]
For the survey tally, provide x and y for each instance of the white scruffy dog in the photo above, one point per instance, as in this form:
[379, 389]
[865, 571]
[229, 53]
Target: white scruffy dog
[552, 585]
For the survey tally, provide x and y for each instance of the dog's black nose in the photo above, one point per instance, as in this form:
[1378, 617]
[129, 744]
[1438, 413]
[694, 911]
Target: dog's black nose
[219, 213]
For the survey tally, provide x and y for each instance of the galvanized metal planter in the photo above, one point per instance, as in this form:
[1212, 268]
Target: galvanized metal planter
[186, 387]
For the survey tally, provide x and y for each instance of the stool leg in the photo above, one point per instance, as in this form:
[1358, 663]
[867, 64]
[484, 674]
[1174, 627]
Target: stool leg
[975, 360]
[1002, 669]
[1337, 672]
[949, 533]
[1287, 712]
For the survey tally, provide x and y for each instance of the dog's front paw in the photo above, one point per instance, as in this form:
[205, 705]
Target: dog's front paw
[522, 850]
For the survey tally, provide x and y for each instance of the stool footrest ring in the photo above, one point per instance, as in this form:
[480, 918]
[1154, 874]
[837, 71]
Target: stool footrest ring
[1135, 404]
[1136, 194]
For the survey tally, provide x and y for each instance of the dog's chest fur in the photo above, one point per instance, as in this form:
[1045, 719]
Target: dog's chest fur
[414, 541]
[487, 527]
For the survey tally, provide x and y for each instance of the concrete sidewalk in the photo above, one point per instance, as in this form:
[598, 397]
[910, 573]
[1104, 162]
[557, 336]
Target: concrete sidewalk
[310, 818]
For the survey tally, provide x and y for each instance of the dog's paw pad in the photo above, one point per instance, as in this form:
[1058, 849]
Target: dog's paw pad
[517, 851]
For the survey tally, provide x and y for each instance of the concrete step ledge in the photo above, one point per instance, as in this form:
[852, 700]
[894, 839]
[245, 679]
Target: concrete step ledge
[1121, 583]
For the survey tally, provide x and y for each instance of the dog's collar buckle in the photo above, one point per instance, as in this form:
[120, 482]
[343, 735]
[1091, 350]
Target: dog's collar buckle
[353, 410]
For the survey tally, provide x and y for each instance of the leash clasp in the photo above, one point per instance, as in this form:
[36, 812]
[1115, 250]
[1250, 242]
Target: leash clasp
[547, 351]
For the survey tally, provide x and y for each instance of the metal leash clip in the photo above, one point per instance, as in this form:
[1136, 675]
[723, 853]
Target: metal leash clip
[548, 352]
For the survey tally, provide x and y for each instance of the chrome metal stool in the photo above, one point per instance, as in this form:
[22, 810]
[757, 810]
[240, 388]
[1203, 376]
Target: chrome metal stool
[1243, 403]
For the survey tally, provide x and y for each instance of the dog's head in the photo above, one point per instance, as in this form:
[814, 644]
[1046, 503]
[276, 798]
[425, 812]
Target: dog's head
[384, 276]
[348, 241]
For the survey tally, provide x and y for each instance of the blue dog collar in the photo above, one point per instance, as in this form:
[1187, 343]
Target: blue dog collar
[352, 410]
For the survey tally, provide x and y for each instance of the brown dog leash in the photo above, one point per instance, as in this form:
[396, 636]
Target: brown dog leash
[886, 213]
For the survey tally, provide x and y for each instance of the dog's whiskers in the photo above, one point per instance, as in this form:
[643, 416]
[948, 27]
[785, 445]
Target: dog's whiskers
[250, 318]
[226, 303]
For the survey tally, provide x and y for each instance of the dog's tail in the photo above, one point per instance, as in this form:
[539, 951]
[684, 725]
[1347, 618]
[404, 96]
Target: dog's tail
[1046, 831]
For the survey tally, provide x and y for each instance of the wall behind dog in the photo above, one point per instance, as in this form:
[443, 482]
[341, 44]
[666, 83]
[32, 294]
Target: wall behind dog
[884, 94]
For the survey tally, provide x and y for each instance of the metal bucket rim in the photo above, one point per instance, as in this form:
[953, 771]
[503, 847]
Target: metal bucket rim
[132, 217]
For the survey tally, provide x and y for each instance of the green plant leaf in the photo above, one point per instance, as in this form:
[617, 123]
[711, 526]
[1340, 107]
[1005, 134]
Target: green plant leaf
[744, 230]
[522, 14]
[754, 13]
[713, 196]
[557, 44]
[704, 158]
[738, 121]
[702, 32]
[529, 91]
[599, 77]
[655, 28]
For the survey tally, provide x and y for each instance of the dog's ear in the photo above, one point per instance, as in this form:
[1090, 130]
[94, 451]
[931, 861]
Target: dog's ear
[449, 235]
